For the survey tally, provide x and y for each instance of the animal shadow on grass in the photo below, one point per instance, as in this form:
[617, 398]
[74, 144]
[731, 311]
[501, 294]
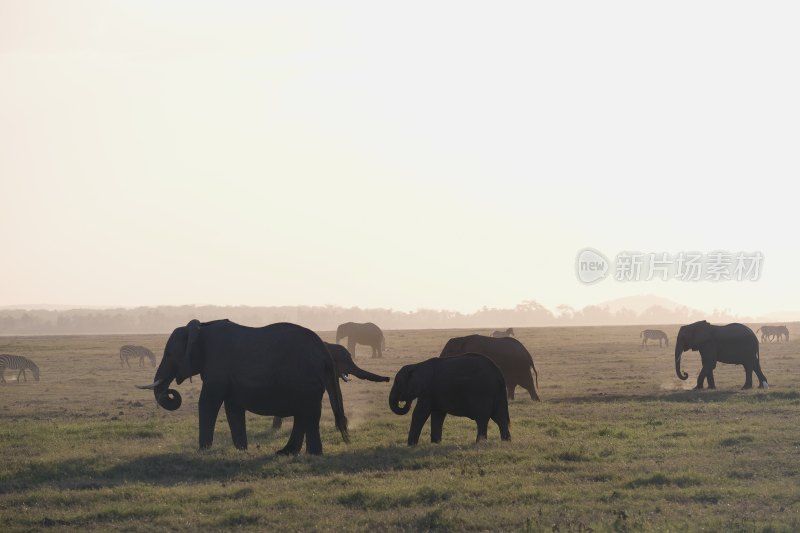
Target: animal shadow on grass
[201, 467]
[684, 396]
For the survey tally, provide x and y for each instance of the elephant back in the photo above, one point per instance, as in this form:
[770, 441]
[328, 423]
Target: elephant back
[506, 352]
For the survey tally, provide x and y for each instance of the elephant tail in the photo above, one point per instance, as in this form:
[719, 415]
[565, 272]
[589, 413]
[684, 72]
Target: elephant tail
[335, 397]
[383, 342]
[535, 376]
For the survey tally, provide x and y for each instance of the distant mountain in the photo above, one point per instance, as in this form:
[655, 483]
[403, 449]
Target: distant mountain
[641, 303]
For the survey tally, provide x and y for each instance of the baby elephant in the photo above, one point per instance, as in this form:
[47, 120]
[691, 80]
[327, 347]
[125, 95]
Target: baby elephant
[465, 385]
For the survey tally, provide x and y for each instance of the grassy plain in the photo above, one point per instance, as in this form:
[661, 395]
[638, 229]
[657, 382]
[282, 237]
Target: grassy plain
[618, 444]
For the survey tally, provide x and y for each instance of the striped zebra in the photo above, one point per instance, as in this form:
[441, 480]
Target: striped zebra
[17, 362]
[501, 334]
[130, 351]
[773, 333]
[654, 334]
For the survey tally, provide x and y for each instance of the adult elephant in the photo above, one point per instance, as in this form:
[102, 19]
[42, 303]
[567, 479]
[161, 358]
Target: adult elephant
[513, 359]
[734, 344]
[367, 333]
[467, 385]
[279, 370]
[346, 367]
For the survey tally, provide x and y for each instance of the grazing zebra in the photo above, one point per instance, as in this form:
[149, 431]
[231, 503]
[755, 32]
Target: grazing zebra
[17, 362]
[773, 333]
[501, 334]
[654, 334]
[128, 351]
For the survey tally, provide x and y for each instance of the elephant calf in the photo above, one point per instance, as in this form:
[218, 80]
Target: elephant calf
[465, 385]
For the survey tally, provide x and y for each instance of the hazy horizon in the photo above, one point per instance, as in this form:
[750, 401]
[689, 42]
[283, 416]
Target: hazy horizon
[414, 156]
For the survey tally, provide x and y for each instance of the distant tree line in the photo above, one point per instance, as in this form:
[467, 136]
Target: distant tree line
[164, 319]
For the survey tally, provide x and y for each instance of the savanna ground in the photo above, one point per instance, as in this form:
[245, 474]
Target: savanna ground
[618, 444]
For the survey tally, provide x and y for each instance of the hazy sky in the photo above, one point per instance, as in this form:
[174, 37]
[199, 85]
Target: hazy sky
[403, 154]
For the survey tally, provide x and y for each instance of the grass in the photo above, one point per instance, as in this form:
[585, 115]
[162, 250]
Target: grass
[616, 445]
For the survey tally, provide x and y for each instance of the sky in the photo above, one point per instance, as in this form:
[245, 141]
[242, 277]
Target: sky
[447, 155]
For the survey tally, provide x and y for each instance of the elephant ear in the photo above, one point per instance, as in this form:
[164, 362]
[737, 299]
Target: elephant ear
[185, 361]
[702, 333]
[415, 383]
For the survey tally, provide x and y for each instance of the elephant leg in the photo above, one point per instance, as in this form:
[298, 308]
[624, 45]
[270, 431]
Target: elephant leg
[295, 443]
[483, 429]
[237, 425]
[313, 439]
[748, 376]
[526, 382]
[701, 378]
[418, 419]
[510, 388]
[762, 379]
[502, 422]
[351, 347]
[710, 377]
[277, 422]
[437, 422]
[208, 407]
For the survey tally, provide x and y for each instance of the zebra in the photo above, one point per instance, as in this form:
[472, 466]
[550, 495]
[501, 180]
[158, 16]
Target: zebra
[128, 351]
[17, 362]
[654, 334]
[500, 334]
[773, 333]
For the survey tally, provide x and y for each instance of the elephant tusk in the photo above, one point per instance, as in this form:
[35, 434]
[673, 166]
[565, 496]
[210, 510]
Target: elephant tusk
[151, 386]
[345, 377]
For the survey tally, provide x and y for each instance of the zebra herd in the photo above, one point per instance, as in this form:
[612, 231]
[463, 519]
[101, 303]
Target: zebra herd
[773, 333]
[22, 364]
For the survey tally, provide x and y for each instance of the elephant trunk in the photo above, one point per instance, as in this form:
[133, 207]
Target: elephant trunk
[678, 353]
[360, 373]
[169, 399]
[394, 402]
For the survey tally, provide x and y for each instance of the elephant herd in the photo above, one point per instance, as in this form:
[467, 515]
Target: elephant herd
[282, 370]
